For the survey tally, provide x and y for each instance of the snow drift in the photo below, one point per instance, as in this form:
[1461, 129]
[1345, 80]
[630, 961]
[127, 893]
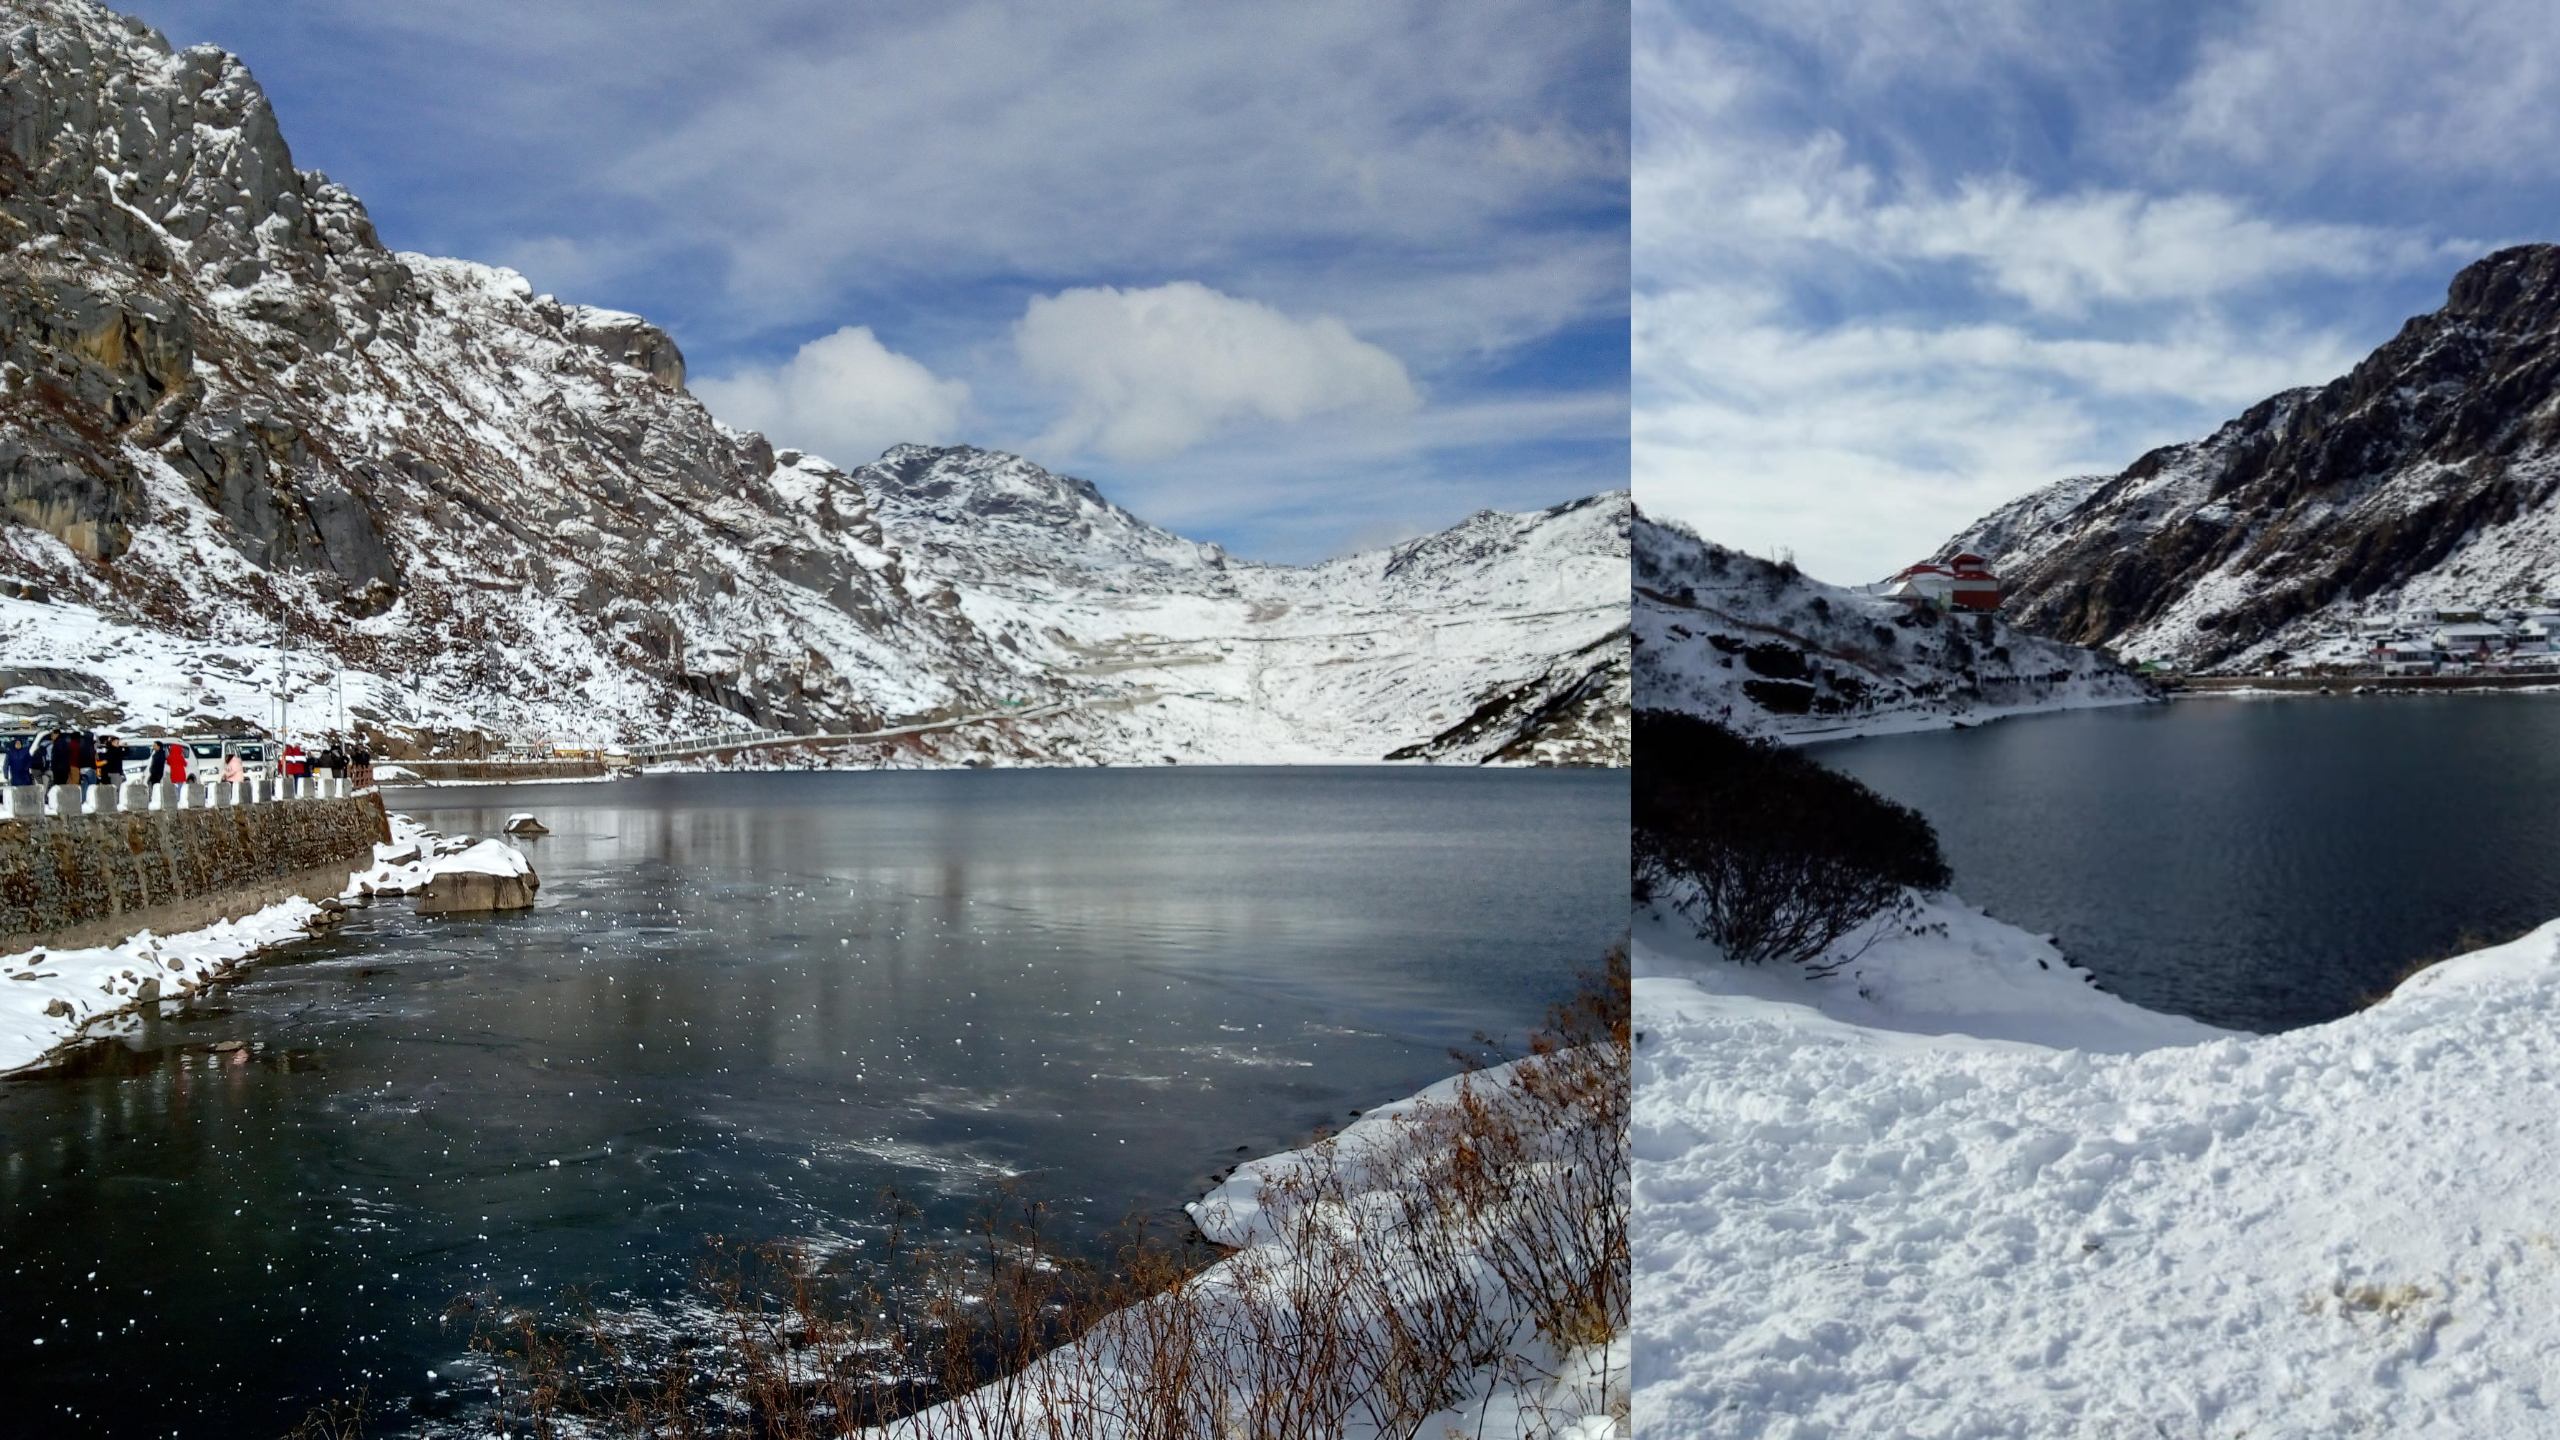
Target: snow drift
[1957, 1191]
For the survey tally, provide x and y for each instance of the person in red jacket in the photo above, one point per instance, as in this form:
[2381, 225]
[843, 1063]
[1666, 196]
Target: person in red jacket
[177, 763]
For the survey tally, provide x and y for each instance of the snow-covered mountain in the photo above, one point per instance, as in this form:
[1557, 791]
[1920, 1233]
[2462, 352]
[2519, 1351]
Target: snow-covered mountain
[2427, 477]
[230, 417]
[1764, 648]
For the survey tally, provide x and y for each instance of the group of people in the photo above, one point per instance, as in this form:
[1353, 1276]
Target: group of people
[60, 757]
[347, 762]
[65, 757]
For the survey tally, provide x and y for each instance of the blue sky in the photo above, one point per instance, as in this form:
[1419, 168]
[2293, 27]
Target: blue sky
[1898, 262]
[1295, 278]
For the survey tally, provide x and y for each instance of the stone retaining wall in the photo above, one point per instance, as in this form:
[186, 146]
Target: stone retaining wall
[82, 874]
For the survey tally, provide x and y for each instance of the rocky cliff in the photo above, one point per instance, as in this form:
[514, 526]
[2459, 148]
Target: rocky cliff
[243, 445]
[2427, 476]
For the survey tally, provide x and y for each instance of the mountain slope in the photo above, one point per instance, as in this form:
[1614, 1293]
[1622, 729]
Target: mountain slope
[1502, 638]
[2427, 476]
[1766, 649]
[229, 417]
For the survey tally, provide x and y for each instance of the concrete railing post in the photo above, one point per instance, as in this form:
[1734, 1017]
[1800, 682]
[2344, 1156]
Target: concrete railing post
[102, 801]
[25, 802]
[53, 799]
[163, 796]
[137, 795]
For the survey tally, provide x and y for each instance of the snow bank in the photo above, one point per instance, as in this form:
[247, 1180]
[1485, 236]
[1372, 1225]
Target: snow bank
[1527, 1391]
[1950, 971]
[1906, 1204]
[50, 996]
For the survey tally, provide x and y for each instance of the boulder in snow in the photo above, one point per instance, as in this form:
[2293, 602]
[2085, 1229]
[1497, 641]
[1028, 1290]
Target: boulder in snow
[523, 823]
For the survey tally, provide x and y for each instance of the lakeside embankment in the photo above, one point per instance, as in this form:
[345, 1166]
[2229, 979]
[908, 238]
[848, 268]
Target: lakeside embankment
[487, 772]
[92, 879]
[2362, 684]
[145, 906]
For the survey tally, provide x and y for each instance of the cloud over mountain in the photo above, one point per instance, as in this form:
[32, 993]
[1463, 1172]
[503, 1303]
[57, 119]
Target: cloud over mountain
[1154, 372]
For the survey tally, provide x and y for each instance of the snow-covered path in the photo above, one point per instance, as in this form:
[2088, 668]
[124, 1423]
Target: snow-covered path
[1854, 1219]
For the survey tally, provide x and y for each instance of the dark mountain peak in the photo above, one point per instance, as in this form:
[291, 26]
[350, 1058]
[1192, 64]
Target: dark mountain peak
[2427, 475]
[2517, 282]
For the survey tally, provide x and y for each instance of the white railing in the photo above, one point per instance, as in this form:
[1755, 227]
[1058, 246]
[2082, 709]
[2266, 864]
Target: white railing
[29, 802]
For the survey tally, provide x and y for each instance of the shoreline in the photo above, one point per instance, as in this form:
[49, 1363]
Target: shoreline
[1922, 723]
[142, 970]
[2262, 687]
[1263, 1213]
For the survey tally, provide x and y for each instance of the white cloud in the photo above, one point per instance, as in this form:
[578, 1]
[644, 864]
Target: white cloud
[1155, 372]
[1849, 345]
[1448, 179]
[2297, 89]
[1861, 446]
[2064, 253]
[845, 396]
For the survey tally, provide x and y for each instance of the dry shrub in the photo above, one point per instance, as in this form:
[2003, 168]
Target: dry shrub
[1774, 856]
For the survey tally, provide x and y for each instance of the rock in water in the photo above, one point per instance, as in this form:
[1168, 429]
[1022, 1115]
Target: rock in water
[525, 824]
[465, 891]
[491, 875]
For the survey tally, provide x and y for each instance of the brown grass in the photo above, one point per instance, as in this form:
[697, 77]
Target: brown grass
[2465, 941]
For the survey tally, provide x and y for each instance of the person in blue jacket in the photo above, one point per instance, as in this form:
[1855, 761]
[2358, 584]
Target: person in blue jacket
[20, 766]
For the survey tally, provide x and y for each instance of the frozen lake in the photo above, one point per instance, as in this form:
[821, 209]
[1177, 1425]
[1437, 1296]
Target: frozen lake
[2256, 863]
[743, 1007]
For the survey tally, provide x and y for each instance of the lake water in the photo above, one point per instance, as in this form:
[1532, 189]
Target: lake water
[743, 1006]
[2256, 863]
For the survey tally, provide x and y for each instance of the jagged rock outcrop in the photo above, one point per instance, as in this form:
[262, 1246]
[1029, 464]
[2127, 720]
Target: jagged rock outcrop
[2428, 475]
[229, 417]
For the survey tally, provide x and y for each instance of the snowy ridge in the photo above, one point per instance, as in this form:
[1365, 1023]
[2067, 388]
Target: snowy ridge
[1854, 1220]
[1760, 647]
[1502, 638]
[2427, 478]
[229, 415]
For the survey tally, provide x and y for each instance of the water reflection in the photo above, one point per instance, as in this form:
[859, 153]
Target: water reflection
[2263, 864]
[742, 1008]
